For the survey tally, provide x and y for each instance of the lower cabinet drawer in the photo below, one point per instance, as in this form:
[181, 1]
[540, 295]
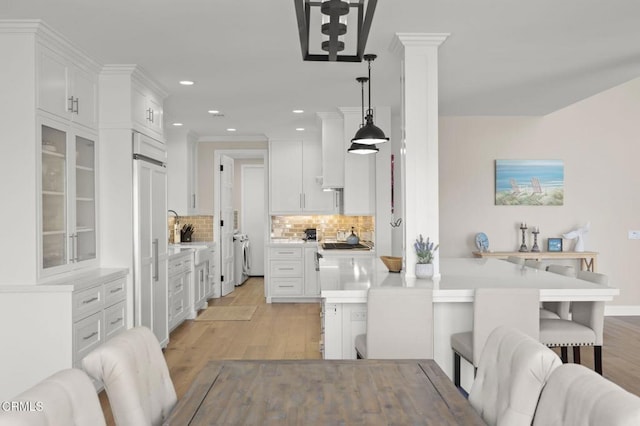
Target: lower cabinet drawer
[115, 319]
[178, 308]
[284, 268]
[87, 335]
[286, 286]
[115, 291]
[87, 302]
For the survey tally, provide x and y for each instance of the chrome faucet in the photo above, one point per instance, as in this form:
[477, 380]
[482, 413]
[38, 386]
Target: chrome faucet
[174, 212]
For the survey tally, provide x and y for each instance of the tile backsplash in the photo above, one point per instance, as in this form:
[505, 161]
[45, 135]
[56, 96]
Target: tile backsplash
[202, 225]
[327, 226]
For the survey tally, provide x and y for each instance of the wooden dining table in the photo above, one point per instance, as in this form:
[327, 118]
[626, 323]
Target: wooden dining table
[323, 392]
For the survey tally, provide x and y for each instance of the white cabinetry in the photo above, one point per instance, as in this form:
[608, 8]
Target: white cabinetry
[130, 99]
[181, 171]
[359, 195]
[311, 284]
[147, 113]
[67, 197]
[180, 284]
[66, 88]
[50, 154]
[200, 286]
[150, 239]
[291, 273]
[66, 319]
[295, 176]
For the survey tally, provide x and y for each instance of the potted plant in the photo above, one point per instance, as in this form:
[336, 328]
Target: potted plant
[425, 251]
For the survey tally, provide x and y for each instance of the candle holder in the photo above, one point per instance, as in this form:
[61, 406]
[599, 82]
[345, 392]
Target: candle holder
[523, 246]
[535, 247]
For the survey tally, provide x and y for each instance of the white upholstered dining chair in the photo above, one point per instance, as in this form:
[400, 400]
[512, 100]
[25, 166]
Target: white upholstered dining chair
[558, 309]
[512, 371]
[135, 375]
[575, 395]
[585, 328]
[399, 324]
[63, 399]
[493, 307]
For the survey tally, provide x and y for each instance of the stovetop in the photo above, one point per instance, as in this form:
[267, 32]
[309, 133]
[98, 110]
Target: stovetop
[344, 246]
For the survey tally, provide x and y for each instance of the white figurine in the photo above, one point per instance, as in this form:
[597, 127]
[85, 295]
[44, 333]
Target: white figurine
[580, 236]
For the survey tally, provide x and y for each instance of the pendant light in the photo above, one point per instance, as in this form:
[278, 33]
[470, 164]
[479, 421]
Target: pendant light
[369, 133]
[360, 148]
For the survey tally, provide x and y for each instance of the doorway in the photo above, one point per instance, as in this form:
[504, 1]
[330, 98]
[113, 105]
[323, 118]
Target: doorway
[249, 198]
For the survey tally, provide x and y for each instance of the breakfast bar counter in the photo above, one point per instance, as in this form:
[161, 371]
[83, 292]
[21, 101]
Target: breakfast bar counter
[344, 283]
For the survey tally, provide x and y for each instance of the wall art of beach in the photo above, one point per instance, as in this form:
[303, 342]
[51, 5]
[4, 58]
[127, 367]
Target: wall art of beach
[529, 182]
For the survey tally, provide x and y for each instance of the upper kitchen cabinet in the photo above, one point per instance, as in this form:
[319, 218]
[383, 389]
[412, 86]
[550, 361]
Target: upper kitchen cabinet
[295, 179]
[359, 195]
[50, 163]
[130, 99]
[147, 110]
[182, 170]
[67, 86]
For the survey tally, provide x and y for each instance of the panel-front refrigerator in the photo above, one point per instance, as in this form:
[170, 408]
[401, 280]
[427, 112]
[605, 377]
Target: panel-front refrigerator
[150, 236]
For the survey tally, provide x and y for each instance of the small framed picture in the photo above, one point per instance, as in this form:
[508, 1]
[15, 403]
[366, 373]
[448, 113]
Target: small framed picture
[554, 244]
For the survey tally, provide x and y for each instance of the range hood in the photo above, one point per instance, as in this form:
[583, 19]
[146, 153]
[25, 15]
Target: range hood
[333, 150]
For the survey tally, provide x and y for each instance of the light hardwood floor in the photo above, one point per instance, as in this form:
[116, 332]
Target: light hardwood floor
[292, 331]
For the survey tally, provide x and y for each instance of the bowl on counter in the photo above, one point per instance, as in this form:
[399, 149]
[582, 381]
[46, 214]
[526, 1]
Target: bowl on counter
[393, 263]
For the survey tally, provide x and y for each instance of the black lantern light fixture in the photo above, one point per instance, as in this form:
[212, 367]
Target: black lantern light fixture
[333, 25]
[369, 133]
[359, 148]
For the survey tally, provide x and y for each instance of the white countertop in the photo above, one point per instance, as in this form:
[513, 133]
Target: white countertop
[347, 279]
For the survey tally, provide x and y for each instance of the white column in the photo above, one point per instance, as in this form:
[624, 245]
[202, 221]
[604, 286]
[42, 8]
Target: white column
[419, 153]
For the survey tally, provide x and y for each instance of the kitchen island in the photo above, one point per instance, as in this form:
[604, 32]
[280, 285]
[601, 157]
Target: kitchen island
[344, 282]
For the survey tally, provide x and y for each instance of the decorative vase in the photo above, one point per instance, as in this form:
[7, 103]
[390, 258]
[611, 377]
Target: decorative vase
[424, 270]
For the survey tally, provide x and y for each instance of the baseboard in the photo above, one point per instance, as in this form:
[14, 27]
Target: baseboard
[621, 310]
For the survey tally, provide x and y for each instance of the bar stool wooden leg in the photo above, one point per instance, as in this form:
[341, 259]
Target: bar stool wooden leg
[597, 359]
[576, 354]
[456, 369]
[564, 355]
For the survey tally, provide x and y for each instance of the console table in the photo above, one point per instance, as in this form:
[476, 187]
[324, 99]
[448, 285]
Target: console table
[588, 259]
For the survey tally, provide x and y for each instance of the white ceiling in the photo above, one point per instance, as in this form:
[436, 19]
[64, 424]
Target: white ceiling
[503, 57]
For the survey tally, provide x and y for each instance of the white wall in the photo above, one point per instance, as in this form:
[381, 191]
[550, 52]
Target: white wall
[598, 139]
[206, 175]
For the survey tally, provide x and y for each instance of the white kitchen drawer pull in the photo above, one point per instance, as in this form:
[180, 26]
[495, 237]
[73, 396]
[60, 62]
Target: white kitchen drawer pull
[93, 299]
[286, 286]
[115, 290]
[286, 269]
[115, 321]
[90, 336]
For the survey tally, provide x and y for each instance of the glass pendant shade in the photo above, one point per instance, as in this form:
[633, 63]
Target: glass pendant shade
[358, 148]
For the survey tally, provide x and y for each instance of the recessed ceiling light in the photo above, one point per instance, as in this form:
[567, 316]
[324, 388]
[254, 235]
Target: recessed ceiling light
[300, 129]
[231, 129]
[298, 111]
[213, 111]
[177, 124]
[187, 82]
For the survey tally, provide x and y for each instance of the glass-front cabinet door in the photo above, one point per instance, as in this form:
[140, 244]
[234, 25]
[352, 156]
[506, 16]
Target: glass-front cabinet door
[85, 200]
[68, 198]
[54, 197]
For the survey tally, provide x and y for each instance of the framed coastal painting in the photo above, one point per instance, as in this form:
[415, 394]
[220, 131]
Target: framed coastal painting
[529, 182]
